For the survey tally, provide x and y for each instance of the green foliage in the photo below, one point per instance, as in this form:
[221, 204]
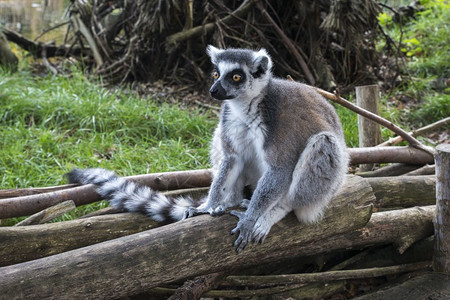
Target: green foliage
[384, 19]
[426, 44]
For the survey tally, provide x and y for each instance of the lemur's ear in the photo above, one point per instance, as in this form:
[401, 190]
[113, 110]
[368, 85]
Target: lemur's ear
[261, 63]
[213, 52]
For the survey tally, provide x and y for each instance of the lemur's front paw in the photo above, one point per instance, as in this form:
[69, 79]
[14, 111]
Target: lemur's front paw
[195, 211]
[245, 228]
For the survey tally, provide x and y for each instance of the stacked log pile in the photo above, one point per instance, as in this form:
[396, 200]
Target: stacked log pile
[375, 227]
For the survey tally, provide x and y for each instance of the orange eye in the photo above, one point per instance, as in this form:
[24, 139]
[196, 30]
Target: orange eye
[215, 75]
[237, 77]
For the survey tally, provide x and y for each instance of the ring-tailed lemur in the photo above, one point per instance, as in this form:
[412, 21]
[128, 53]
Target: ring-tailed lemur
[279, 137]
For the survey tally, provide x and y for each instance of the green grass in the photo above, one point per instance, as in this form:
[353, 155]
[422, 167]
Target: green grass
[50, 125]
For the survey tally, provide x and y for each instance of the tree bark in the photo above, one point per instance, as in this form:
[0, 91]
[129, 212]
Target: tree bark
[26, 243]
[403, 191]
[48, 214]
[441, 254]
[195, 246]
[407, 155]
[369, 131]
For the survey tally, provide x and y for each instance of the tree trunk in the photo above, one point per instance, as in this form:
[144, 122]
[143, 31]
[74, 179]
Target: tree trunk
[441, 254]
[195, 246]
[369, 131]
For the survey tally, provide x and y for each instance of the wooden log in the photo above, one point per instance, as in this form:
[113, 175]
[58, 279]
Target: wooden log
[390, 192]
[21, 244]
[425, 170]
[395, 154]
[27, 205]
[403, 191]
[196, 246]
[369, 131]
[11, 193]
[48, 214]
[389, 170]
[441, 253]
[35, 48]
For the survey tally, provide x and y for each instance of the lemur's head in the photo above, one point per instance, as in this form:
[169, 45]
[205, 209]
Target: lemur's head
[239, 73]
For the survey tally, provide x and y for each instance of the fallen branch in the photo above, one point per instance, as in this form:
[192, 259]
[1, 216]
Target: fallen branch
[11, 193]
[268, 280]
[36, 48]
[169, 253]
[425, 170]
[390, 170]
[238, 293]
[417, 132]
[48, 214]
[407, 155]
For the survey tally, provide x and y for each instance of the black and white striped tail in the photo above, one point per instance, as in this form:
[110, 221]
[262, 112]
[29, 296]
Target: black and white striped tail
[125, 194]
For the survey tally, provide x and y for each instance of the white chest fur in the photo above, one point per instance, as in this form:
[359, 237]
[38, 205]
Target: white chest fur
[246, 132]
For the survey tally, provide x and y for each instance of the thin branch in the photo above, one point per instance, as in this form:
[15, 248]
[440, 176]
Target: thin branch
[272, 280]
[50, 29]
[417, 132]
[48, 214]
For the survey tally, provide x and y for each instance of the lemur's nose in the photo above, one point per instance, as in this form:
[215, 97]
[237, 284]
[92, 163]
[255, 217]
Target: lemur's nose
[213, 91]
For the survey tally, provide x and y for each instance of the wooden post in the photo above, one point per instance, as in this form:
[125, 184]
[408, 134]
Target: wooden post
[441, 254]
[369, 131]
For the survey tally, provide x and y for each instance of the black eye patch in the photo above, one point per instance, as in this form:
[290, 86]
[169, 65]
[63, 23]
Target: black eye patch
[232, 76]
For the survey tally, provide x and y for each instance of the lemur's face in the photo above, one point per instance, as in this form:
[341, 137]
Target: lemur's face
[239, 73]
